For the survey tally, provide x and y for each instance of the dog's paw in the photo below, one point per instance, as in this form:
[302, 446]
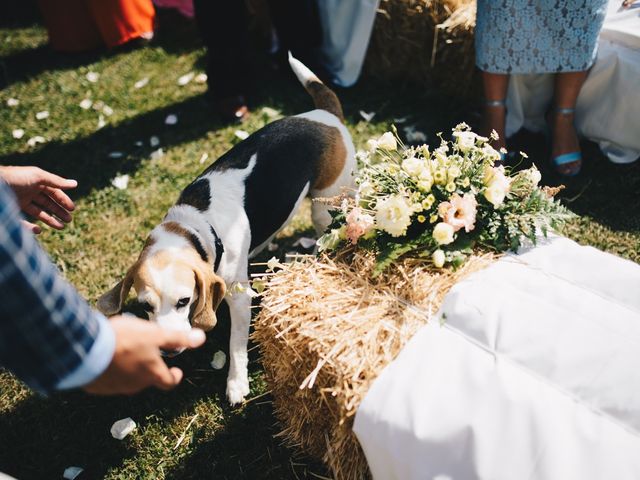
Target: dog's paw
[237, 389]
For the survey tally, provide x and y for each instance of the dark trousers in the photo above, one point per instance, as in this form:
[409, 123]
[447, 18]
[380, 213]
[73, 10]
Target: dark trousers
[224, 28]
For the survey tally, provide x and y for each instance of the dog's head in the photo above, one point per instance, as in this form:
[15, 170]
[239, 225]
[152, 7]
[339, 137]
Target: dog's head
[176, 287]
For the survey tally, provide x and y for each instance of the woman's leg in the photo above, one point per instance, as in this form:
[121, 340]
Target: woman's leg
[495, 93]
[565, 139]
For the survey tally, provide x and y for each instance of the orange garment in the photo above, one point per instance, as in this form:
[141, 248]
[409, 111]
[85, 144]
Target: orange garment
[78, 25]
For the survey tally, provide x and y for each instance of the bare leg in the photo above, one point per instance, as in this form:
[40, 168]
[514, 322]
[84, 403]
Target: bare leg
[495, 91]
[565, 139]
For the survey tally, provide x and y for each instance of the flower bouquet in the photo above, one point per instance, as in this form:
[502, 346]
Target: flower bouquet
[440, 205]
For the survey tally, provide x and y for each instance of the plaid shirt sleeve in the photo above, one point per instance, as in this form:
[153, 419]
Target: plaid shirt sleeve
[49, 336]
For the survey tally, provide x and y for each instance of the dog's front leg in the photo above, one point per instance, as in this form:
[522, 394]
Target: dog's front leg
[238, 379]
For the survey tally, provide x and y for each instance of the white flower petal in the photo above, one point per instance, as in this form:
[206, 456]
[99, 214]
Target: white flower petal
[86, 104]
[122, 428]
[141, 83]
[186, 78]
[154, 141]
[204, 157]
[107, 110]
[116, 155]
[201, 78]
[33, 141]
[42, 115]
[367, 116]
[171, 119]
[121, 182]
[157, 154]
[12, 102]
[93, 76]
[241, 134]
[139, 143]
[101, 121]
[70, 473]
[18, 133]
[219, 360]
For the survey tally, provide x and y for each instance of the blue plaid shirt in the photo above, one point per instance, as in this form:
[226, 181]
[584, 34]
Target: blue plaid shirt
[49, 336]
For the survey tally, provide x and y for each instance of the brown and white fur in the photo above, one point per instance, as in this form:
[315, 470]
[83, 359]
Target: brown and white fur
[230, 213]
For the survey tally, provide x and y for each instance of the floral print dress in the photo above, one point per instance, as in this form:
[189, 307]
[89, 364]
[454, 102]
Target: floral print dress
[537, 36]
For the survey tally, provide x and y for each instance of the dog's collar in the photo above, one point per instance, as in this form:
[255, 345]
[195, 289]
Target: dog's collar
[218, 246]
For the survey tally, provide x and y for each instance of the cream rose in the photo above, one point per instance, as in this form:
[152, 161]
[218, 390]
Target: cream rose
[413, 166]
[438, 258]
[465, 140]
[393, 215]
[443, 233]
[387, 142]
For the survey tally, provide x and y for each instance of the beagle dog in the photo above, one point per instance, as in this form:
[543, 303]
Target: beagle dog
[230, 213]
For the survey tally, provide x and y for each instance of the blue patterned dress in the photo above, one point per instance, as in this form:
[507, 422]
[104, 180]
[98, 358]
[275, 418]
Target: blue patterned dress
[537, 36]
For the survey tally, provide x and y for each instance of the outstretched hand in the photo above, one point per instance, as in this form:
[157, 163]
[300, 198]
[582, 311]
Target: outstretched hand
[41, 195]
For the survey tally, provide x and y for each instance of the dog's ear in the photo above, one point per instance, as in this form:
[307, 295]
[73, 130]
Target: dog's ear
[111, 302]
[211, 291]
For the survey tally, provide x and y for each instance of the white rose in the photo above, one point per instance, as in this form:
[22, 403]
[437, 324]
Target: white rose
[393, 215]
[495, 194]
[443, 233]
[535, 176]
[372, 145]
[425, 184]
[413, 166]
[387, 142]
[465, 140]
[438, 258]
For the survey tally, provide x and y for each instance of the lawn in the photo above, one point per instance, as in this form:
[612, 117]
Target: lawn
[40, 437]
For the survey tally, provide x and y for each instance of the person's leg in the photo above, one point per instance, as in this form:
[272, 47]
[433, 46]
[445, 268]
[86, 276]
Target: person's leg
[223, 25]
[565, 139]
[495, 92]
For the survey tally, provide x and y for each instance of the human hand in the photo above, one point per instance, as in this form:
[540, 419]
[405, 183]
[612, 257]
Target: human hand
[40, 194]
[137, 363]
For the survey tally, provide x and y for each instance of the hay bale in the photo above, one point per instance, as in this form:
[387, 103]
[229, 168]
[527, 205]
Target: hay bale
[326, 330]
[427, 42]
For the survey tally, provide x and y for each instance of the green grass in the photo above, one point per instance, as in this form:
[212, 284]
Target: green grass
[39, 437]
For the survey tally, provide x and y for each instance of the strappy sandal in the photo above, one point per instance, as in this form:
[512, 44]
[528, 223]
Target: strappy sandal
[560, 161]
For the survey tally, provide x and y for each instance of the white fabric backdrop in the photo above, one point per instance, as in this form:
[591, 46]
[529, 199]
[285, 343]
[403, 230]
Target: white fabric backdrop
[534, 374]
[608, 108]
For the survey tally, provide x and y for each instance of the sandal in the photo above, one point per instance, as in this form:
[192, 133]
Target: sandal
[559, 161]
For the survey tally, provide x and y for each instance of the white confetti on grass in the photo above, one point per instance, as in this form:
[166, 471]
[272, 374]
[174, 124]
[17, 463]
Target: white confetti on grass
[93, 76]
[70, 473]
[12, 102]
[18, 133]
[241, 134]
[201, 78]
[367, 116]
[141, 83]
[42, 115]
[86, 104]
[186, 78]
[204, 157]
[122, 428]
[33, 141]
[171, 119]
[219, 360]
[121, 182]
[101, 121]
[107, 110]
[154, 141]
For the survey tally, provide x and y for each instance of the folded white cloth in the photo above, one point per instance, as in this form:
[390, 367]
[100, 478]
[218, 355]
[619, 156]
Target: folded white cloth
[533, 375]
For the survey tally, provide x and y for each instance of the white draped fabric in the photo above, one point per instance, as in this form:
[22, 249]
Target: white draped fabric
[533, 374]
[608, 108]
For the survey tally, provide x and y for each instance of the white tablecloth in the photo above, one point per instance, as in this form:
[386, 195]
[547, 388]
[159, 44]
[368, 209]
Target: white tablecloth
[534, 374]
[608, 108]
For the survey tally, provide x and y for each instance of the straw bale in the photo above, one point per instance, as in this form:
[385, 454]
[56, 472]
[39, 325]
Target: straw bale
[326, 330]
[426, 42]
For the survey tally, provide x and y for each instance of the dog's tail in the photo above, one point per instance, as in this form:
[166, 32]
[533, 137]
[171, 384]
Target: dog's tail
[323, 96]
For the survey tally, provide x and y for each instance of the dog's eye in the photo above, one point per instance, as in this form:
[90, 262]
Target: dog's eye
[146, 306]
[183, 302]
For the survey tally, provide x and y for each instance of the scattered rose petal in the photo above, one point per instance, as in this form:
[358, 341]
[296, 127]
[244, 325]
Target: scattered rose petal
[122, 428]
[42, 115]
[201, 78]
[305, 242]
[101, 121]
[171, 119]
[204, 157]
[271, 112]
[219, 360]
[116, 155]
[272, 247]
[186, 78]
[139, 143]
[33, 141]
[141, 83]
[93, 76]
[107, 110]
[241, 134]
[12, 102]
[18, 133]
[154, 141]
[70, 473]
[157, 154]
[413, 135]
[86, 104]
[367, 116]
[121, 182]
[99, 105]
